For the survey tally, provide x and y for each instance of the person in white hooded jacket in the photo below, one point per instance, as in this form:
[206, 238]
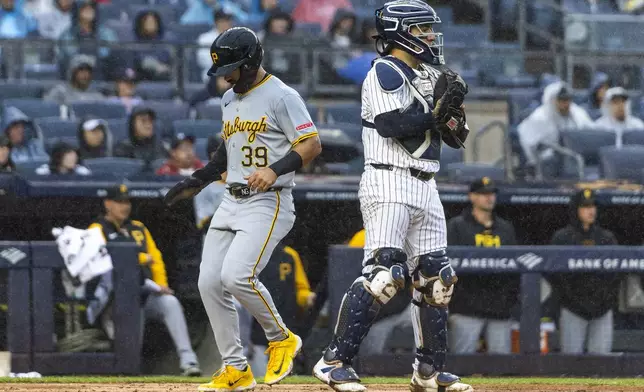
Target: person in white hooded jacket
[616, 114]
[556, 113]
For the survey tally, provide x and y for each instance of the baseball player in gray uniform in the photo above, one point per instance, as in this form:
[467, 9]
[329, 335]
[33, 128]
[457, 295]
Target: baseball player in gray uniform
[268, 134]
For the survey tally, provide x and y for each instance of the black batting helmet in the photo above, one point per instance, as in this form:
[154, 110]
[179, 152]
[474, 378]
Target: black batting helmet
[234, 48]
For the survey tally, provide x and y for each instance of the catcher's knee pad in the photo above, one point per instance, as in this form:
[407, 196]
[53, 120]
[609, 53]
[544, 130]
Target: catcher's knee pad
[388, 275]
[434, 278]
[358, 310]
[430, 324]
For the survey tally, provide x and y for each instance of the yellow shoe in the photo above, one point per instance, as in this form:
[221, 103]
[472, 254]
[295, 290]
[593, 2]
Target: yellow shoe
[280, 358]
[229, 379]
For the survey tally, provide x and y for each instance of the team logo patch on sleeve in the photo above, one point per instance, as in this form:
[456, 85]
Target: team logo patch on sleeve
[304, 126]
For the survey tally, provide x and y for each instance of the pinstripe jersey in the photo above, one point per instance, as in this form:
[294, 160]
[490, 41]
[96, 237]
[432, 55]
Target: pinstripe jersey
[375, 101]
[261, 126]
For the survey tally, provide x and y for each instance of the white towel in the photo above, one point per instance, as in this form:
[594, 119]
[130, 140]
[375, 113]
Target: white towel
[83, 251]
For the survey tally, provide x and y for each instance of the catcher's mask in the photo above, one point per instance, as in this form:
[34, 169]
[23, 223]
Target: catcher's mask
[411, 26]
[237, 47]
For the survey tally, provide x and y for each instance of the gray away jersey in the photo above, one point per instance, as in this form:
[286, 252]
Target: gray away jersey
[261, 126]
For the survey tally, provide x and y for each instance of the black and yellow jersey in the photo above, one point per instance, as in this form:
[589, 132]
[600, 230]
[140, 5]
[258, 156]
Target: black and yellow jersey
[132, 230]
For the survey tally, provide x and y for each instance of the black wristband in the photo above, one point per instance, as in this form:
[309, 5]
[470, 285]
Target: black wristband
[290, 163]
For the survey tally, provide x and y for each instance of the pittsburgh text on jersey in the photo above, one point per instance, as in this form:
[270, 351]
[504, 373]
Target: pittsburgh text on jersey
[239, 125]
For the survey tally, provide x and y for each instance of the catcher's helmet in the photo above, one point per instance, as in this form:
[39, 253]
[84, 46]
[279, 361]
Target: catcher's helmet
[395, 22]
[234, 48]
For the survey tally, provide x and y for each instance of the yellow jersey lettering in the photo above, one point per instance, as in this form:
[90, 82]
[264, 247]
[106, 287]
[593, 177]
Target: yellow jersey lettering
[285, 270]
[485, 240]
[238, 125]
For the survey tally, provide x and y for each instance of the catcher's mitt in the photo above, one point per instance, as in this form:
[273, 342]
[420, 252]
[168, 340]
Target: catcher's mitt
[449, 95]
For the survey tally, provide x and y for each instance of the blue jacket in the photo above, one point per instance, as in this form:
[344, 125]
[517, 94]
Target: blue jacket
[199, 12]
[16, 23]
[33, 147]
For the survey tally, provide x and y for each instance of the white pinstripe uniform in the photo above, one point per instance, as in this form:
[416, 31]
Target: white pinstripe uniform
[399, 210]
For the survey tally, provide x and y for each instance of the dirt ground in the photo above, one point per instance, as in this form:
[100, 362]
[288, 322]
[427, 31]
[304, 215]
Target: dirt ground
[129, 387]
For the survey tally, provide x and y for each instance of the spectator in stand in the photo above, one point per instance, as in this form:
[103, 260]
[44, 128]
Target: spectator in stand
[556, 113]
[183, 159]
[126, 89]
[260, 9]
[15, 22]
[598, 87]
[64, 160]
[341, 35]
[160, 304]
[94, 139]
[587, 299]
[359, 64]
[631, 6]
[142, 143]
[79, 87]
[482, 301]
[53, 23]
[278, 24]
[321, 12]
[27, 143]
[83, 34]
[223, 21]
[202, 11]
[154, 63]
[617, 115]
[6, 163]
[287, 282]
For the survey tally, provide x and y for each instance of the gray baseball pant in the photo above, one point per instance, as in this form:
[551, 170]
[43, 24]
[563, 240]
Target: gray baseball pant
[575, 330]
[464, 332]
[241, 238]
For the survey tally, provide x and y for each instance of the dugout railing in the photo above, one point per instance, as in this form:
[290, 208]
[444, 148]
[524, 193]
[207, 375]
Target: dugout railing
[33, 290]
[531, 263]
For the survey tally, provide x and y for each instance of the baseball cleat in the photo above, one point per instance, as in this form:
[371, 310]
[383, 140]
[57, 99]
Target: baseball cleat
[192, 370]
[338, 376]
[229, 379]
[437, 382]
[280, 358]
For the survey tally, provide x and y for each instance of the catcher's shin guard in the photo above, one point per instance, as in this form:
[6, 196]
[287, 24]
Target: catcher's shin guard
[430, 331]
[363, 301]
[433, 280]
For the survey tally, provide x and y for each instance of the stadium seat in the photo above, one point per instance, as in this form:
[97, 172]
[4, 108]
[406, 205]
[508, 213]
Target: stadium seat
[123, 30]
[587, 143]
[41, 71]
[465, 35]
[209, 111]
[111, 11]
[343, 113]
[9, 90]
[622, 163]
[98, 109]
[188, 33]
[155, 90]
[520, 100]
[450, 155]
[29, 167]
[119, 128]
[201, 148]
[351, 130]
[309, 28]
[633, 137]
[314, 112]
[123, 166]
[168, 111]
[34, 108]
[200, 129]
[58, 127]
[467, 172]
[517, 81]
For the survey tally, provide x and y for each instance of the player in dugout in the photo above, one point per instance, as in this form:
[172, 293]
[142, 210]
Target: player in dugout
[482, 301]
[160, 304]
